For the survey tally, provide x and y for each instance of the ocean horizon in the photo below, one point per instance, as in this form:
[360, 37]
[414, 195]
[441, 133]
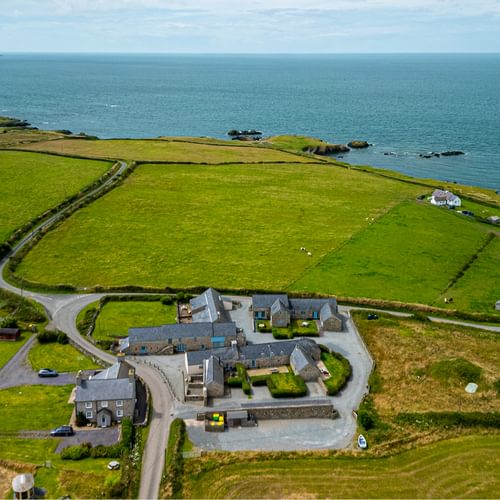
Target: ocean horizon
[405, 105]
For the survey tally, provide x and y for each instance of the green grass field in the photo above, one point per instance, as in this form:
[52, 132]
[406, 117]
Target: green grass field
[229, 226]
[34, 407]
[31, 183]
[166, 150]
[8, 349]
[410, 254]
[479, 288]
[459, 468]
[116, 318]
[63, 358]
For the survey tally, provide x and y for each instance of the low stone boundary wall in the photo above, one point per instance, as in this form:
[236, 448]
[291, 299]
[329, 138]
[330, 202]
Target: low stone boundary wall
[291, 410]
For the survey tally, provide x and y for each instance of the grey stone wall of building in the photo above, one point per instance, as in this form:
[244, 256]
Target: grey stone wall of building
[293, 412]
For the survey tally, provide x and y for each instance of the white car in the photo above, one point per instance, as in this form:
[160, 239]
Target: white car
[113, 465]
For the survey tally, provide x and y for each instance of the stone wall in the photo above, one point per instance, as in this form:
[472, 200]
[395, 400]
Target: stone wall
[291, 411]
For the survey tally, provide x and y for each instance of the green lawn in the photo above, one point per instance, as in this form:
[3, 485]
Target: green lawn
[410, 254]
[116, 318]
[34, 407]
[166, 150]
[63, 358]
[286, 385]
[460, 468]
[31, 183]
[78, 479]
[8, 349]
[228, 226]
[479, 288]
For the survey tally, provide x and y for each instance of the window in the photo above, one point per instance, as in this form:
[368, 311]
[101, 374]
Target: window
[119, 413]
[88, 404]
[119, 402]
[104, 404]
[88, 414]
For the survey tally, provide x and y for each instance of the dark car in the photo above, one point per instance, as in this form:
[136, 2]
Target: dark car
[63, 430]
[47, 372]
[372, 316]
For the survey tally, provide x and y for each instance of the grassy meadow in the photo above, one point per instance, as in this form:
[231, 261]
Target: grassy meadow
[459, 468]
[8, 349]
[63, 358]
[31, 183]
[409, 355]
[228, 226]
[166, 150]
[116, 318]
[479, 288]
[410, 254]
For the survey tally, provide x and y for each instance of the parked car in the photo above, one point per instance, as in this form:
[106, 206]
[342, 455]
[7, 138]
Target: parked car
[372, 316]
[63, 430]
[113, 465]
[47, 372]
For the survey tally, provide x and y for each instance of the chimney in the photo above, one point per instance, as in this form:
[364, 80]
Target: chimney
[131, 375]
[79, 378]
[234, 344]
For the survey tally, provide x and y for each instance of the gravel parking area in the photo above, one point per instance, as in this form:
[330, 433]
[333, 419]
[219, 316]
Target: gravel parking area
[95, 436]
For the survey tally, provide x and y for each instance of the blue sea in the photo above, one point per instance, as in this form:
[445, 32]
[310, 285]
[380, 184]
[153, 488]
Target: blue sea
[404, 105]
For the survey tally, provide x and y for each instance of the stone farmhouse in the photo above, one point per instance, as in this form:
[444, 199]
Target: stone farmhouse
[281, 310]
[440, 198]
[107, 396]
[302, 355]
[210, 326]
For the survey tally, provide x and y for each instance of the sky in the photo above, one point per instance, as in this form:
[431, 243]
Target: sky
[250, 26]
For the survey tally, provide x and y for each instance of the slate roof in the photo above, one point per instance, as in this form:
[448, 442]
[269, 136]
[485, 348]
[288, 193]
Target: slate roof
[440, 195]
[118, 370]
[265, 301]
[327, 312]
[312, 304]
[253, 351]
[183, 330]
[9, 331]
[209, 308]
[299, 359]
[278, 306]
[214, 371]
[223, 353]
[105, 390]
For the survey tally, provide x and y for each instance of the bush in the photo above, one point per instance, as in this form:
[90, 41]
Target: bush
[62, 338]
[286, 385]
[259, 380]
[375, 382]
[127, 433]
[324, 348]
[448, 419]
[167, 300]
[281, 334]
[174, 462]
[81, 419]
[9, 322]
[47, 337]
[85, 323]
[78, 452]
[183, 297]
[101, 451]
[246, 387]
[234, 382]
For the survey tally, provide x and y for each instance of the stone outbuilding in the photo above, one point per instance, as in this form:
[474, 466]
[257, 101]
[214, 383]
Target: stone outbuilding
[213, 377]
[303, 365]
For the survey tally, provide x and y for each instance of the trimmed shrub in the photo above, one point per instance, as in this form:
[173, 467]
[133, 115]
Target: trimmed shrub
[286, 385]
[127, 433]
[245, 385]
[234, 382]
[281, 334]
[77, 452]
[259, 380]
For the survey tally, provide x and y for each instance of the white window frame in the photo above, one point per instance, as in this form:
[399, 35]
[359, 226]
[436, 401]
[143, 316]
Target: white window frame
[119, 402]
[88, 404]
[104, 404]
[89, 414]
[119, 412]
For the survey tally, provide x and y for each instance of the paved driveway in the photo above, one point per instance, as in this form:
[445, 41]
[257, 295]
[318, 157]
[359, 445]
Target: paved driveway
[19, 372]
[106, 437]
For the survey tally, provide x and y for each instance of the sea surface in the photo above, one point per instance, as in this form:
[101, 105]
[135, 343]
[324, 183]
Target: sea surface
[404, 105]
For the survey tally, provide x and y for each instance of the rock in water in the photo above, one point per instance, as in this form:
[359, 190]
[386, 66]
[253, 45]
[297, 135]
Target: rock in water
[358, 144]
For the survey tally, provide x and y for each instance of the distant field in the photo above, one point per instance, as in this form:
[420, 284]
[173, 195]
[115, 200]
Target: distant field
[63, 358]
[405, 350]
[18, 137]
[166, 150]
[410, 254]
[479, 288]
[459, 468]
[31, 183]
[229, 226]
[116, 318]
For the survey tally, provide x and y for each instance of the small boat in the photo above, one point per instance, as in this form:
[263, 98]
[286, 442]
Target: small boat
[362, 442]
